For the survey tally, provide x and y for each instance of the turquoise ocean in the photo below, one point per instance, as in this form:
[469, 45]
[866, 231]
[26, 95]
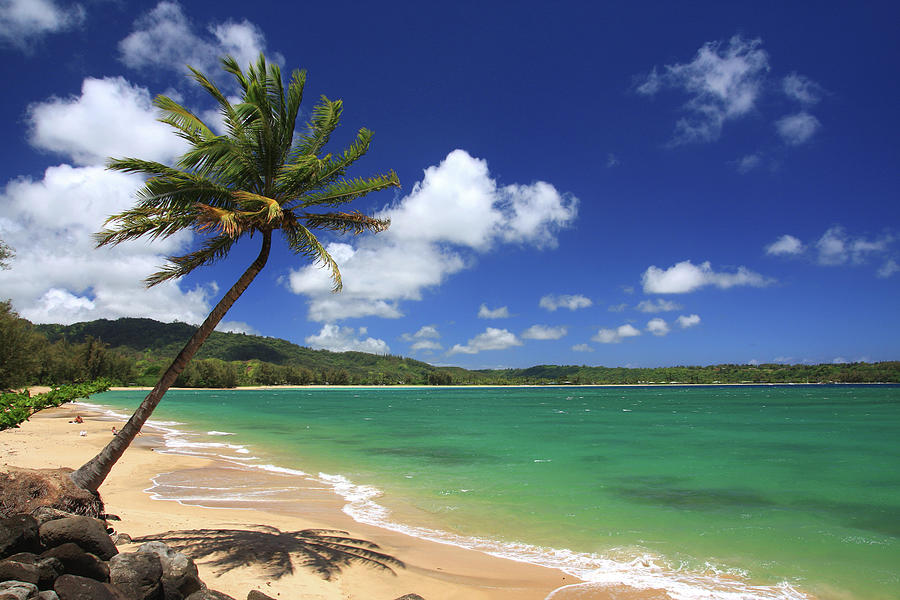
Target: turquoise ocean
[727, 492]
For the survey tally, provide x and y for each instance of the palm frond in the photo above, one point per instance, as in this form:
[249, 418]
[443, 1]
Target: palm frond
[302, 241]
[346, 222]
[325, 118]
[213, 250]
[345, 191]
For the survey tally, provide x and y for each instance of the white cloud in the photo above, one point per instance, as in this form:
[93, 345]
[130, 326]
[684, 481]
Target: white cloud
[343, 339]
[236, 327]
[798, 128]
[490, 339]
[59, 277]
[544, 332]
[614, 336]
[888, 268]
[723, 83]
[786, 244]
[457, 208]
[802, 89]
[618, 307]
[686, 277]
[498, 313]
[582, 348]
[612, 160]
[658, 326]
[573, 302]
[836, 247]
[659, 305]
[749, 162]
[111, 118]
[165, 38]
[424, 339]
[685, 321]
[23, 21]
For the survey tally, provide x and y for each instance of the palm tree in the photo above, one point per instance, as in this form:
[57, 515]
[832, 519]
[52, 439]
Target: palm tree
[254, 180]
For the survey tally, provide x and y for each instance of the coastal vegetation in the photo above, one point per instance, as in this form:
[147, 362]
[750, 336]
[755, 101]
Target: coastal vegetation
[256, 179]
[16, 407]
[134, 351]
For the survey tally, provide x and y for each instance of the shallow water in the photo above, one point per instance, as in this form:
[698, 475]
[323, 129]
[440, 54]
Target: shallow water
[707, 492]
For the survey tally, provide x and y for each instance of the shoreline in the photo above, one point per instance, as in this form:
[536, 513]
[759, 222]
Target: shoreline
[434, 569]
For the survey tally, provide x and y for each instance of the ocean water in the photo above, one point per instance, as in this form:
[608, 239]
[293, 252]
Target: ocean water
[706, 492]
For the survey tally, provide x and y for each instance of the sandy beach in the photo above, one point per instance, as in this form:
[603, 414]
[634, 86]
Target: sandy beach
[432, 570]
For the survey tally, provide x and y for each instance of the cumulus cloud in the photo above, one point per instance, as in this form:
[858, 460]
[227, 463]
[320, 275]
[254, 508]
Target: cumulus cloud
[618, 307]
[544, 332]
[687, 277]
[59, 277]
[111, 117]
[498, 313]
[802, 89]
[165, 38]
[786, 244]
[573, 302]
[685, 321]
[723, 83]
[659, 305]
[836, 247]
[454, 213]
[491, 339]
[798, 128]
[22, 22]
[424, 339]
[582, 348]
[658, 326]
[614, 336]
[236, 327]
[344, 339]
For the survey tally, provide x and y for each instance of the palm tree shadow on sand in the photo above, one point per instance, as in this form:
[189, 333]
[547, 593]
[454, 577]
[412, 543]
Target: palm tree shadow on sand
[324, 551]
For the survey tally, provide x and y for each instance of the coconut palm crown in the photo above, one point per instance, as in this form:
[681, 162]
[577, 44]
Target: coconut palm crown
[259, 177]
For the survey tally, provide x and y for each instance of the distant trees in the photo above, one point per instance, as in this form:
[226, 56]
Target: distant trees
[20, 349]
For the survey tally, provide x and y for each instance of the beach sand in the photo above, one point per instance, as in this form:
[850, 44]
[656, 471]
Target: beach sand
[433, 570]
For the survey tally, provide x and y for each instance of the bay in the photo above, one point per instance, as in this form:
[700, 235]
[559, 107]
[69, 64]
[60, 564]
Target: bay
[734, 491]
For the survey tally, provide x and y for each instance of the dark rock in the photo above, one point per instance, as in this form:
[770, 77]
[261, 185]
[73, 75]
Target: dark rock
[17, 590]
[410, 597]
[138, 574]
[76, 561]
[18, 533]
[87, 532]
[180, 577]
[258, 595]
[28, 558]
[120, 538]
[209, 595]
[49, 569]
[73, 587]
[46, 595]
[11, 570]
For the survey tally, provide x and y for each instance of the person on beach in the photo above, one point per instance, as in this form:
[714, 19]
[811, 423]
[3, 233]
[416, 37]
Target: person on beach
[77, 419]
[114, 432]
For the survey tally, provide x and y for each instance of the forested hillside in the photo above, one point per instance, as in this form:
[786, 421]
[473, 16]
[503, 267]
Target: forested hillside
[133, 351]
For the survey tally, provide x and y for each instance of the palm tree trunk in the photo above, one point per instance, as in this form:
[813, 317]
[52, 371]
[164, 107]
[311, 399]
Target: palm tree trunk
[90, 475]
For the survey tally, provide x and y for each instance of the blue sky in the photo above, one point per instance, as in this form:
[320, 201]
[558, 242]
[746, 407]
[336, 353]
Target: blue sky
[621, 184]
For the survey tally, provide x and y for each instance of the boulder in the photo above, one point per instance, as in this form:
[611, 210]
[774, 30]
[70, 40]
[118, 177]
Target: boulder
[410, 597]
[138, 574]
[180, 577]
[11, 570]
[87, 532]
[46, 595]
[76, 561]
[48, 570]
[209, 595]
[18, 533]
[17, 590]
[120, 538]
[258, 595]
[73, 587]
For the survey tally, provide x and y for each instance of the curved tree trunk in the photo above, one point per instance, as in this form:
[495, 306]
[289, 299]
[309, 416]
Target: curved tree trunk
[90, 475]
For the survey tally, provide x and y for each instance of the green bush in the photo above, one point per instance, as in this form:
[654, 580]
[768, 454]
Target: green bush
[17, 407]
